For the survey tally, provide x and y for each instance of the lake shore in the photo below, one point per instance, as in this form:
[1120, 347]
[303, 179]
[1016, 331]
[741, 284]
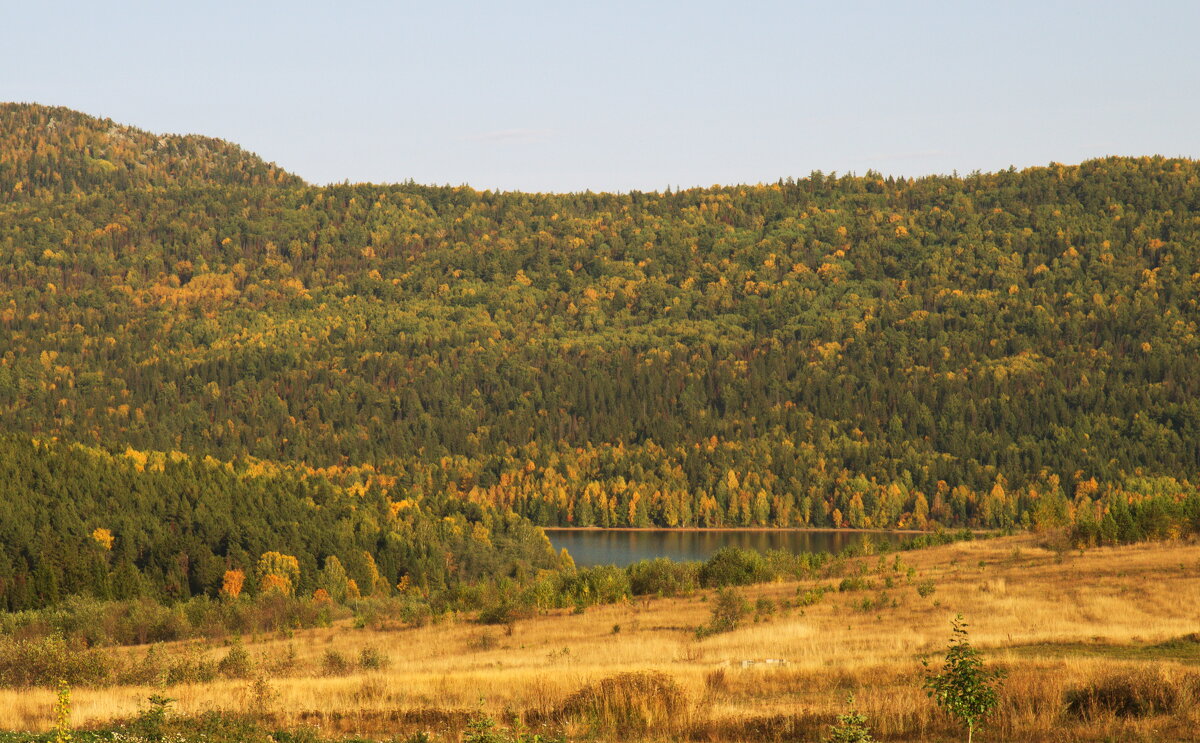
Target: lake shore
[747, 529]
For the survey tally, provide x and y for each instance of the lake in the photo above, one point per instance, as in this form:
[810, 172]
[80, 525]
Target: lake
[616, 547]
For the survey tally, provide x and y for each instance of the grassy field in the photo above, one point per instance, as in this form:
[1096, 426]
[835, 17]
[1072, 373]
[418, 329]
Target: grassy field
[1097, 646]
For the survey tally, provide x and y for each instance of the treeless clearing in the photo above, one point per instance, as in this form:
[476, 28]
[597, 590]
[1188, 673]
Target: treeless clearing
[1058, 623]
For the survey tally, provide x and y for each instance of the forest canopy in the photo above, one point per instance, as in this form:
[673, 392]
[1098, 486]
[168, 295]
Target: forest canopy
[990, 350]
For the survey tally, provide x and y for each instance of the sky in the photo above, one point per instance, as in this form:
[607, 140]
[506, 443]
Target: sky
[619, 96]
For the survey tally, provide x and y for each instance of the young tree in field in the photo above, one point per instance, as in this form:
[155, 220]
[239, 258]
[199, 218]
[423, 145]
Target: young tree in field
[851, 727]
[964, 688]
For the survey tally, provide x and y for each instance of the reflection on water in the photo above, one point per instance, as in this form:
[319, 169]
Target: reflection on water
[611, 547]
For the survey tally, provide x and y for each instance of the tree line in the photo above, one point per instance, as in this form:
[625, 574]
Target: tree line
[77, 521]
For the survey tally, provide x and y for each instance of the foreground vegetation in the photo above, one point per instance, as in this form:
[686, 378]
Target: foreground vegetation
[1094, 645]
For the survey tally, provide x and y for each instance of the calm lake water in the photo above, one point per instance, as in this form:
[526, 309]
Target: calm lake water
[604, 547]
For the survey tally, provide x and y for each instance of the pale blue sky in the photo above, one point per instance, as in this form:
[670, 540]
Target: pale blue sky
[624, 95]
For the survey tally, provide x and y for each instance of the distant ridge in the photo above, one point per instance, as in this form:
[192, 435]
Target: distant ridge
[57, 148]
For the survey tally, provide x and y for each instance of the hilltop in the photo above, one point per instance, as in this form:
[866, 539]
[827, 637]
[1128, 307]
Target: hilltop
[56, 148]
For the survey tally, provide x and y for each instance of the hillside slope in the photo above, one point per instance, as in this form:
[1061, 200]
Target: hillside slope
[992, 350]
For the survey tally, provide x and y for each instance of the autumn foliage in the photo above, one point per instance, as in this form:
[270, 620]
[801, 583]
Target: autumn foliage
[232, 583]
[409, 375]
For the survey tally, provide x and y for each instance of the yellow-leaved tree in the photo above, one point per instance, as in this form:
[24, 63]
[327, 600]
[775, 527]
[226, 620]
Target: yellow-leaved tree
[278, 572]
[232, 583]
[103, 537]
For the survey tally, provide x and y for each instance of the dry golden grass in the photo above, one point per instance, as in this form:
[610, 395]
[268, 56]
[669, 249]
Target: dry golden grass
[1057, 623]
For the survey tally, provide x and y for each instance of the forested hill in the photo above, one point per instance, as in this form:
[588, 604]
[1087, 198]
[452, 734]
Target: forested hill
[853, 350]
[52, 148]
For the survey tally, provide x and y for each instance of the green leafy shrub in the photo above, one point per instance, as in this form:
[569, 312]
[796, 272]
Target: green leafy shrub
[811, 596]
[764, 607]
[334, 663]
[47, 661]
[855, 583]
[732, 566]
[603, 584]
[236, 664]
[372, 659]
[663, 577]
[728, 611]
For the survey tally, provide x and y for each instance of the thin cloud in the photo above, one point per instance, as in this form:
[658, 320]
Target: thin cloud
[518, 136]
[920, 155]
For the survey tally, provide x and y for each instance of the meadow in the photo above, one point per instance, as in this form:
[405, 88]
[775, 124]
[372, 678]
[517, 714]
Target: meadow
[1102, 644]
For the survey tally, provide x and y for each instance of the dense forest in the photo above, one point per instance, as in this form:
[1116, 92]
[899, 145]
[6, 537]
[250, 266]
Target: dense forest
[80, 521]
[990, 350]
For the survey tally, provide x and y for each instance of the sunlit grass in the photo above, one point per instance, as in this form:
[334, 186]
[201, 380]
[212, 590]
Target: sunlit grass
[1056, 621]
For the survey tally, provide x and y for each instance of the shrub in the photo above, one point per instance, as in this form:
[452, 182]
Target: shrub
[416, 613]
[731, 566]
[482, 641]
[728, 611]
[603, 584]
[764, 607]
[236, 664]
[851, 727]
[855, 583]
[190, 667]
[334, 663]
[47, 661]
[501, 613]
[280, 664]
[795, 564]
[62, 714]
[881, 601]
[149, 669]
[663, 577]
[371, 659]
[261, 695]
[149, 722]
[483, 729]
[812, 596]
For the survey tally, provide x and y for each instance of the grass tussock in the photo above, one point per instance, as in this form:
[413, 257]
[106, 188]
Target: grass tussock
[1134, 693]
[773, 728]
[628, 704]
